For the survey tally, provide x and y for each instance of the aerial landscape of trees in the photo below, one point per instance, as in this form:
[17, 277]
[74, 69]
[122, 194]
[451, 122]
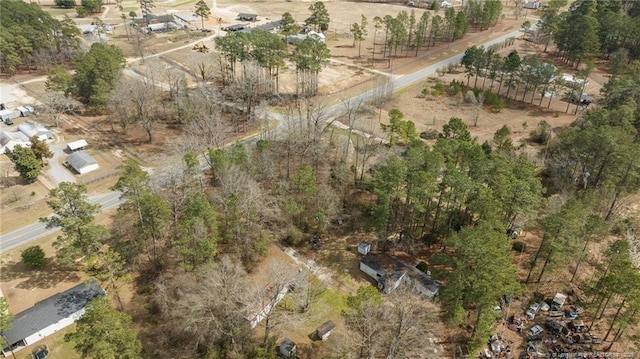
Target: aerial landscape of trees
[189, 234]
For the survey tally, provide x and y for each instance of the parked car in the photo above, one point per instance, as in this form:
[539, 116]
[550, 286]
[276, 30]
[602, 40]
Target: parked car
[544, 306]
[533, 310]
[534, 331]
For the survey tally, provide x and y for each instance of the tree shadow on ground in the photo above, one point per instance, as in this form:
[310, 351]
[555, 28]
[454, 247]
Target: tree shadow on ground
[43, 278]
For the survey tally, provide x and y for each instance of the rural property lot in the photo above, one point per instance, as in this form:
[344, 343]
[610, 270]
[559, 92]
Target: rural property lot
[346, 75]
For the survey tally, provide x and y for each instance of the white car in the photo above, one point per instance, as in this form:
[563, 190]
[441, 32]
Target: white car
[534, 331]
[533, 310]
[445, 4]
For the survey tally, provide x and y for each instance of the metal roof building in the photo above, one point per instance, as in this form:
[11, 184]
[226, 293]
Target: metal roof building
[82, 163]
[50, 315]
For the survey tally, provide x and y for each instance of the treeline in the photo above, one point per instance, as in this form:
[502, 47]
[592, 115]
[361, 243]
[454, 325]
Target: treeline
[30, 37]
[261, 54]
[529, 73]
[593, 29]
[407, 33]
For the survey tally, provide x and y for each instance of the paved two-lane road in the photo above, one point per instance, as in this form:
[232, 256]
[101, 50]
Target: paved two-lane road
[112, 199]
[37, 230]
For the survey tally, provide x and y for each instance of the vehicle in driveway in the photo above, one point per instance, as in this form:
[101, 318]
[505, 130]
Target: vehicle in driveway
[533, 310]
[534, 331]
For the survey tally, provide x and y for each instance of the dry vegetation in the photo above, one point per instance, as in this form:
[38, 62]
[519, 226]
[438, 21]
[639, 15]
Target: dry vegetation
[345, 75]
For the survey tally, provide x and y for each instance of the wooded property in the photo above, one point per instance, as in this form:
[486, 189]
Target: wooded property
[425, 179]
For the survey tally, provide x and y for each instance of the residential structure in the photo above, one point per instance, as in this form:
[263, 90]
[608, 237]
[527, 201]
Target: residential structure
[389, 273]
[267, 299]
[8, 140]
[33, 128]
[82, 163]
[50, 315]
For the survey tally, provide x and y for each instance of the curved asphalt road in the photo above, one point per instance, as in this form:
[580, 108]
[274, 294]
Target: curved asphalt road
[112, 199]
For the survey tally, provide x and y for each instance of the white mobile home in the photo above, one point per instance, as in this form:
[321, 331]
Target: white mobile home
[9, 140]
[32, 128]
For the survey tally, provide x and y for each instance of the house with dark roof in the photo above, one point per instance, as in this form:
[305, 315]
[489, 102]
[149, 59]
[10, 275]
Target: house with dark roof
[50, 315]
[390, 272]
[82, 163]
[386, 270]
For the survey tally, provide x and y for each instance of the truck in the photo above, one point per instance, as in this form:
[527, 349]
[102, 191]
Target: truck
[558, 301]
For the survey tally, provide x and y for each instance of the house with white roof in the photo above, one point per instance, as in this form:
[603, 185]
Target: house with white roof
[33, 128]
[9, 140]
[82, 163]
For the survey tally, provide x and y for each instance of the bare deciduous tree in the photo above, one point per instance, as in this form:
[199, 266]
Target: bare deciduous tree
[57, 104]
[202, 66]
[142, 98]
[207, 309]
[403, 326]
[267, 305]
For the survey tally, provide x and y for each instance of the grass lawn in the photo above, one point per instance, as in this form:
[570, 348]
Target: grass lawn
[57, 346]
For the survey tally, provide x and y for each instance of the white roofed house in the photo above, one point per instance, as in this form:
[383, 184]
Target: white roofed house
[82, 163]
[32, 128]
[9, 140]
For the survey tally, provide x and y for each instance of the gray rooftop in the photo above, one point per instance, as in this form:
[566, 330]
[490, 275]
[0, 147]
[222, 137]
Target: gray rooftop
[80, 159]
[382, 263]
[52, 310]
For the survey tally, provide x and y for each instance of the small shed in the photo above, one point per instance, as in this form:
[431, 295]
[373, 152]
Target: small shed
[247, 17]
[364, 248]
[324, 331]
[287, 348]
[77, 145]
[82, 163]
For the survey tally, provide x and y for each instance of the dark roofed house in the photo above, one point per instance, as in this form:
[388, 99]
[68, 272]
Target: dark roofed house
[324, 331]
[247, 17]
[386, 270]
[153, 19]
[271, 26]
[287, 348]
[389, 273]
[50, 315]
